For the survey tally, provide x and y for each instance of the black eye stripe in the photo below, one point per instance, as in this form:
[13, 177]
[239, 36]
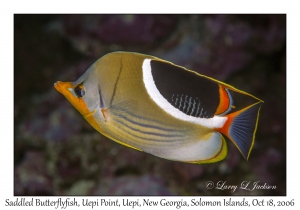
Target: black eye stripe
[79, 90]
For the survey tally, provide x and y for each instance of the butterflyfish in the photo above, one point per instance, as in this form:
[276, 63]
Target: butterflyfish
[155, 106]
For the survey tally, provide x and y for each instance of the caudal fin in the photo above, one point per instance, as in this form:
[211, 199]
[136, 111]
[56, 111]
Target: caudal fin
[241, 126]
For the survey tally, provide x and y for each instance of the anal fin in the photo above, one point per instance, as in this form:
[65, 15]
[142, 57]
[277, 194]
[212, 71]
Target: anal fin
[209, 149]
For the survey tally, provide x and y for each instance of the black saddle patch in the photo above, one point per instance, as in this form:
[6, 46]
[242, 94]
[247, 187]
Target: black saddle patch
[192, 94]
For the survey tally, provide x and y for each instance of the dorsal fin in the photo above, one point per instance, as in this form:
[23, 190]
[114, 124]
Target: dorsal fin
[190, 93]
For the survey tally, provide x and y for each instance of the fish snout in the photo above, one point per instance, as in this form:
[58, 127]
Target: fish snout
[62, 86]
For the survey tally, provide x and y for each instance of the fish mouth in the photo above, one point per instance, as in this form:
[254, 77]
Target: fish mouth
[57, 87]
[62, 86]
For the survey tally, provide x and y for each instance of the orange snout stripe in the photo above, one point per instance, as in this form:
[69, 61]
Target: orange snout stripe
[77, 102]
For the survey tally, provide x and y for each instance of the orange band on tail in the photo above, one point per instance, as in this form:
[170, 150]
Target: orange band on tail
[225, 129]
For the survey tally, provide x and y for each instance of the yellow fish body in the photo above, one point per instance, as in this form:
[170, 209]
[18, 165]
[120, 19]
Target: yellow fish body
[155, 106]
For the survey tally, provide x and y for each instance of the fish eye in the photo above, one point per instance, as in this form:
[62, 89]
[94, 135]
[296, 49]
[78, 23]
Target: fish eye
[79, 90]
